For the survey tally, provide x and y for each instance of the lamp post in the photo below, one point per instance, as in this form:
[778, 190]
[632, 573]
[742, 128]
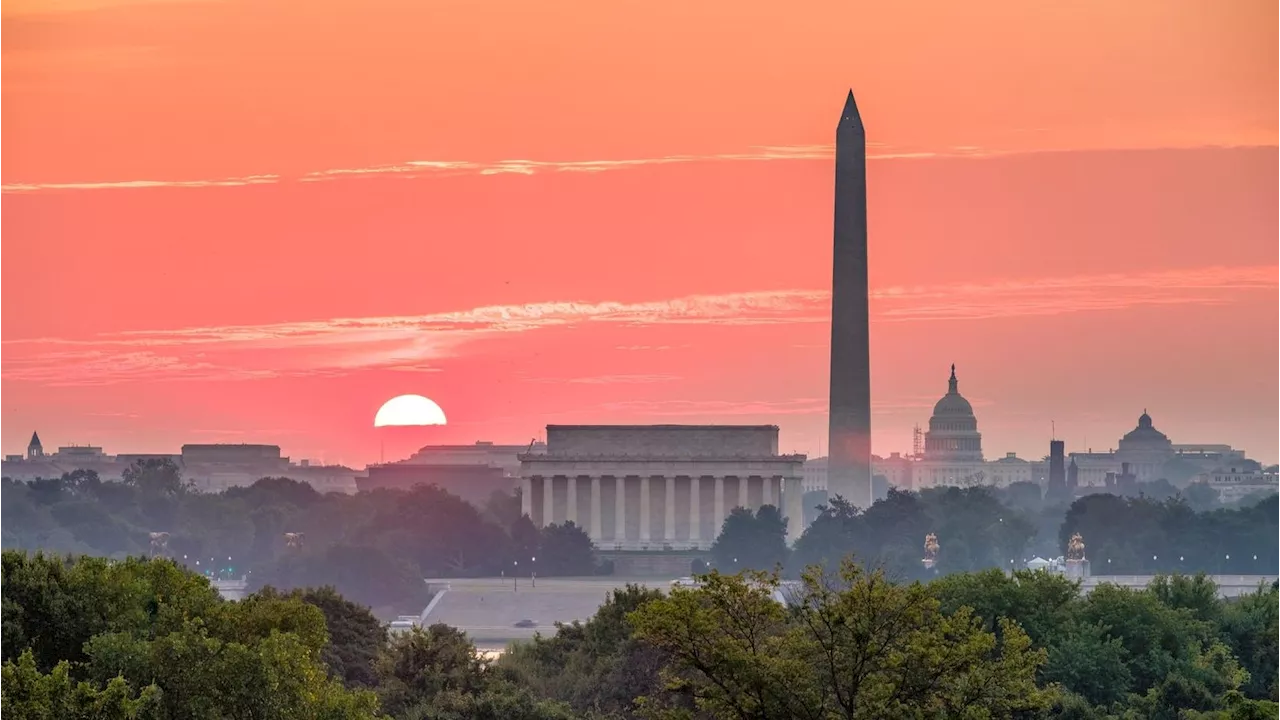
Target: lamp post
[515, 576]
[533, 571]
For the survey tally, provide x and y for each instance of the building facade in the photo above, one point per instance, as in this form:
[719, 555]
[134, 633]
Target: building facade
[1234, 484]
[208, 467]
[952, 445]
[1152, 456]
[658, 487]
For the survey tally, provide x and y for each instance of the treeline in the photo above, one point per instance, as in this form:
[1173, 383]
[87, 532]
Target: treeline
[375, 547]
[95, 638]
[980, 528]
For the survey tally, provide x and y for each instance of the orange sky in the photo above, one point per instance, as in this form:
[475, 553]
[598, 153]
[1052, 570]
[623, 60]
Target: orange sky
[255, 220]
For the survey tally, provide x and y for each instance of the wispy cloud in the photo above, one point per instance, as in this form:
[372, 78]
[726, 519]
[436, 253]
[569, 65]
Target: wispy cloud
[435, 168]
[341, 345]
[1080, 293]
[712, 408]
[144, 184]
[416, 343]
[636, 379]
[414, 169]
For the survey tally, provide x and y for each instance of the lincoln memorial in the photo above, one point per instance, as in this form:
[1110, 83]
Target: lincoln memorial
[658, 487]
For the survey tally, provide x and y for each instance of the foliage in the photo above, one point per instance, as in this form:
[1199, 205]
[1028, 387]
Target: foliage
[855, 646]
[87, 631]
[751, 540]
[355, 637]
[373, 547]
[33, 695]
[974, 529]
[564, 551]
[1141, 536]
[597, 666]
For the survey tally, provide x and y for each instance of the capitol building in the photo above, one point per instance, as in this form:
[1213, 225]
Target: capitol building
[952, 456]
[952, 446]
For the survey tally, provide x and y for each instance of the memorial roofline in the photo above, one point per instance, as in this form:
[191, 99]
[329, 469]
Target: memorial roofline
[616, 457]
[663, 427]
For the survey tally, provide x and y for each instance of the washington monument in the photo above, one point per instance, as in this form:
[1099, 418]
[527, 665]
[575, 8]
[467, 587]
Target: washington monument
[849, 461]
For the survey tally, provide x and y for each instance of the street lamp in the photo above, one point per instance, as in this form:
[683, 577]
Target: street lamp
[515, 576]
[533, 571]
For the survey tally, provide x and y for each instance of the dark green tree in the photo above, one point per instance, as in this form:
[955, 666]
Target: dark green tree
[751, 540]
[564, 551]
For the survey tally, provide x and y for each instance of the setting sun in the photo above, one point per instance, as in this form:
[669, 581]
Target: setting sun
[409, 410]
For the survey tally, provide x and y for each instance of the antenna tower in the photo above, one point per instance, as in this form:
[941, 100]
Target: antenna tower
[917, 441]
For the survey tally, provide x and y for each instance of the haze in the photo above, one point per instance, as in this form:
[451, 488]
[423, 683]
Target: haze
[246, 222]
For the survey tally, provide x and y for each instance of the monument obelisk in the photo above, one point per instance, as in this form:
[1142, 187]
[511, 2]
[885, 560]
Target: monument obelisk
[849, 459]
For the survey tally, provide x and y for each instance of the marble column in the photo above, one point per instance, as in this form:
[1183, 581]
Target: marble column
[571, 510]
[669, 508]
[596, 533]
[645, 508]
[619, 508]
[717, 519]
[548, 507]
[526, 497]
[766, 491]
[695, 512]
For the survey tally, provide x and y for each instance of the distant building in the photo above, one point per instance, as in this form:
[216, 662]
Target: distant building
[208, 467]
[952, 445]
[813, 475]
[1151, 456]
[74, 453]
[1008, 470]
[472, 482]
[1234, 484]
[504, 457]
[897, 469]
[658, 487]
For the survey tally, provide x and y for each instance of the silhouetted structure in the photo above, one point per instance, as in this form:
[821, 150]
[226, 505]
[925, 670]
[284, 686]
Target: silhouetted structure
[34, 448]
[849, 471]
[1057, 491]
[473, 483]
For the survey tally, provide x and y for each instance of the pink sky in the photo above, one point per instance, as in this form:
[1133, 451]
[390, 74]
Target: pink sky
[255, 222]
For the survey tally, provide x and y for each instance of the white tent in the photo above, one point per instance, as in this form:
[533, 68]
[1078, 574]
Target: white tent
[1037, 563]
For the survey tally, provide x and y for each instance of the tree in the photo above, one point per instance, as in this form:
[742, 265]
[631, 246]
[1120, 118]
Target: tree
[366, 575]
[594, 666]
[29, 694]
[1156, 637]
[1042, 604]
[855, 646]
[751, 540]
[154, 476]
[503, 508]
[355, 637]
[565, 551]
[1251, 628]
[422, 664]
[112, 627]
[1088, 661]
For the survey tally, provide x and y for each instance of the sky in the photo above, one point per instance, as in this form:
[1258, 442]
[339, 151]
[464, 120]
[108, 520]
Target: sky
[257, 220]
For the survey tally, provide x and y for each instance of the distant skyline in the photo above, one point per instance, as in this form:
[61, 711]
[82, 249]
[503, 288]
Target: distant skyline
[258, 222]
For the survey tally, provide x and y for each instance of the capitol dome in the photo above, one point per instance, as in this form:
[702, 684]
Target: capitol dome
[1145, 434]
[953, 429]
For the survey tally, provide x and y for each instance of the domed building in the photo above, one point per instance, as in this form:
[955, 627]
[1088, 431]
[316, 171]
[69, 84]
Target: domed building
[953, 429]
[1151, 456]
[1146, 449]
[952, 446]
